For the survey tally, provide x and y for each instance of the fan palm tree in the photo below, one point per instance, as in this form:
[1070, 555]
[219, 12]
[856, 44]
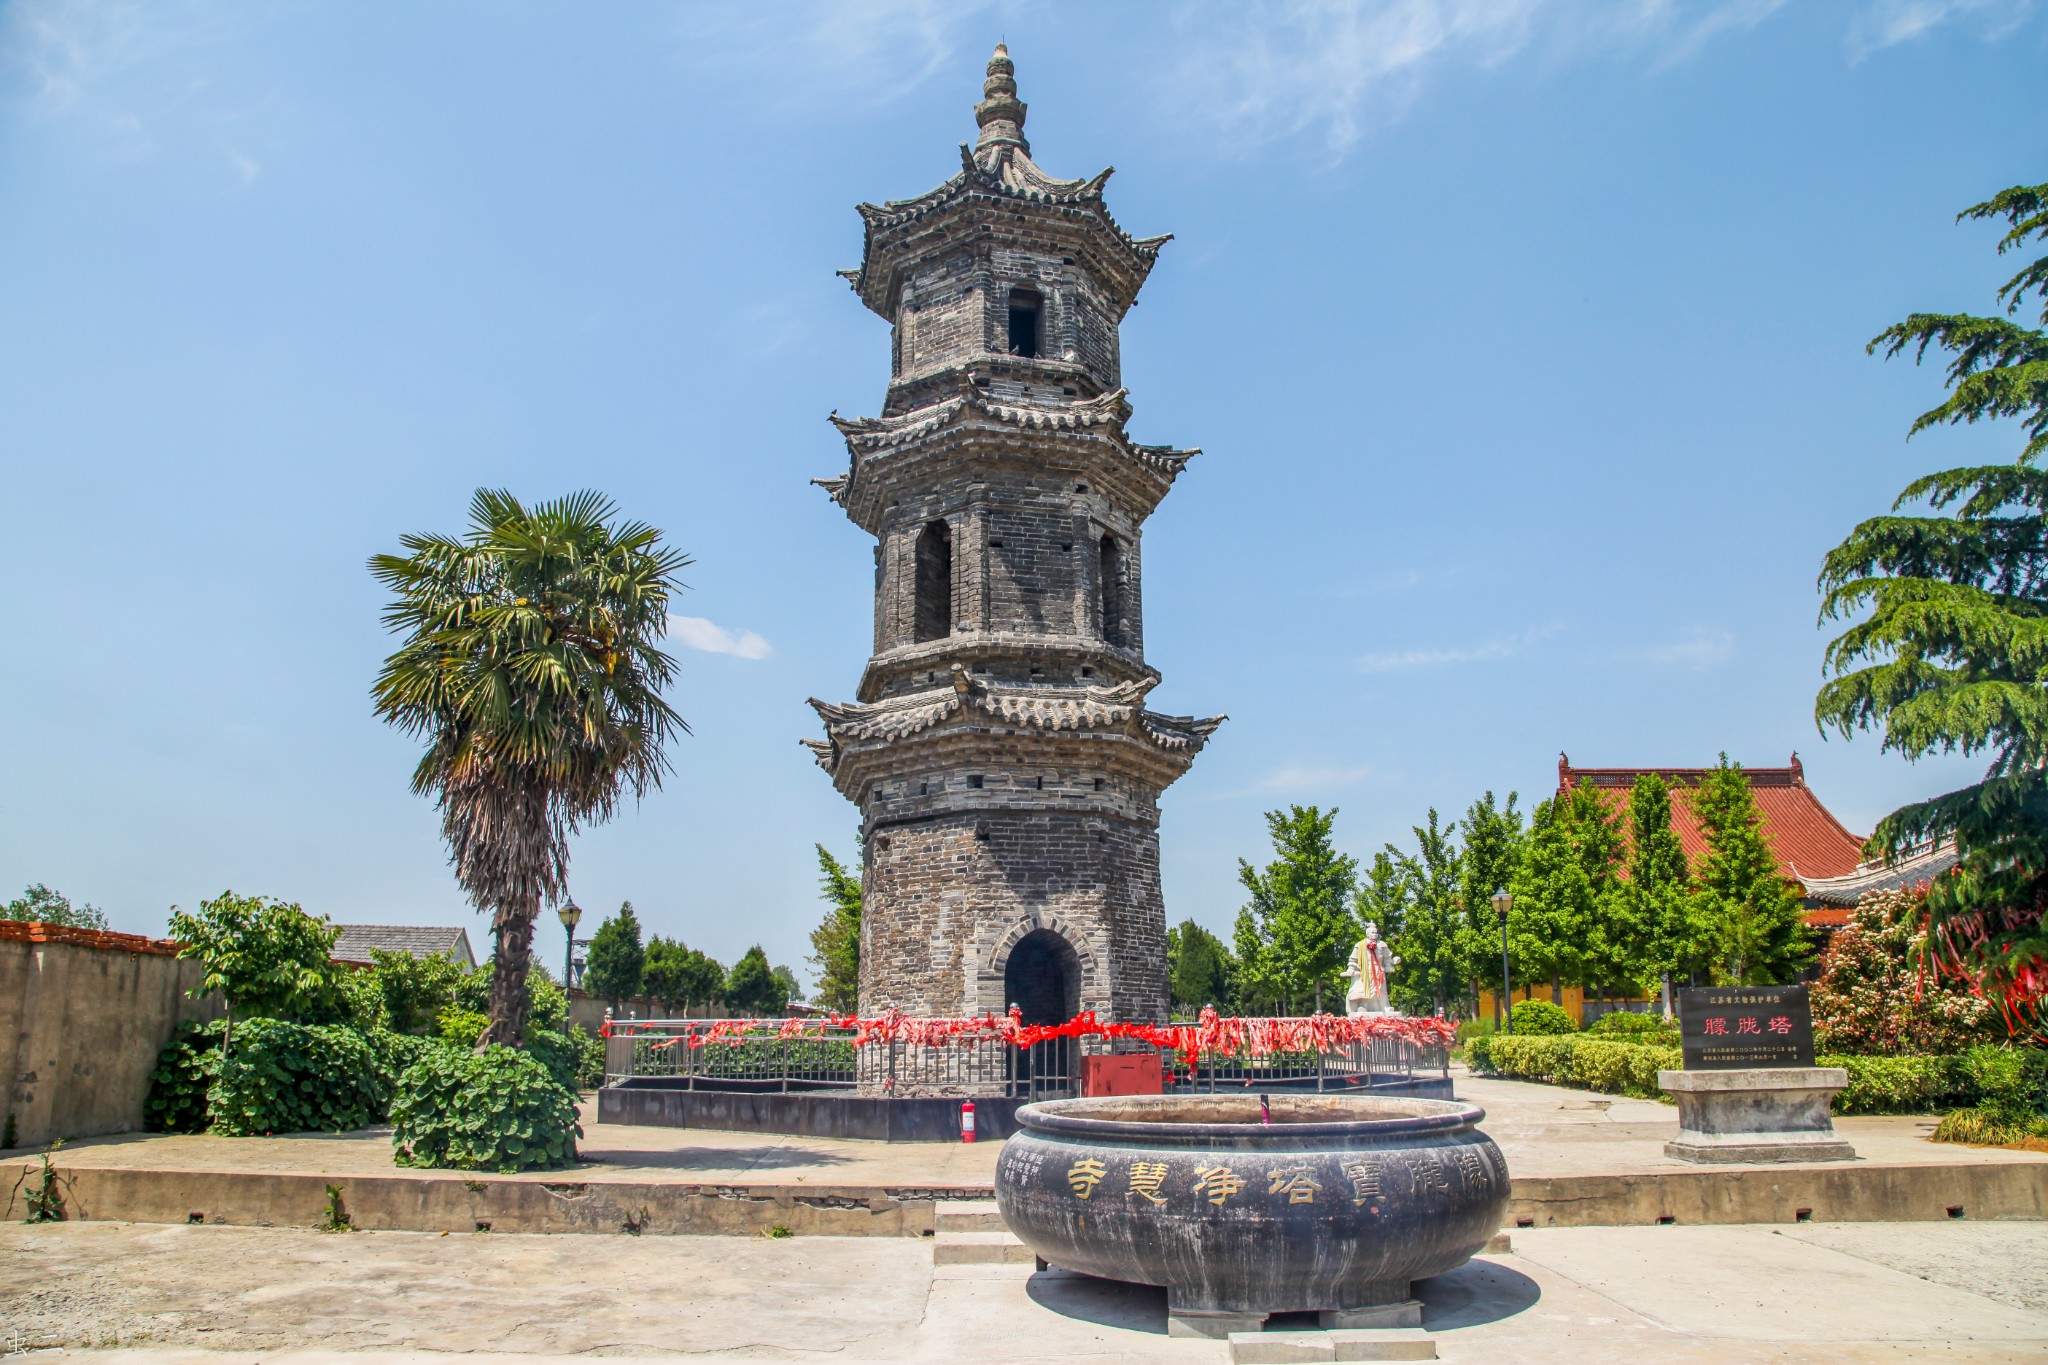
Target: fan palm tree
[531, 667]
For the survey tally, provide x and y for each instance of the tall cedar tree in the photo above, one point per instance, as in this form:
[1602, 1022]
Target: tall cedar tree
[1300, 907]
[1433, 961]
[835, 943]
[1557, 929]
[1198, 969]
[751, 987]
[1749, 914]
[1658, 935]
[618, 963]
[1493, 850]
[1953, 654]
[532, 667]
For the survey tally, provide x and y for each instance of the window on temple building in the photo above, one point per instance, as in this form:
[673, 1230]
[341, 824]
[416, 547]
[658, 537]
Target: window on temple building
[1025, 306]
[933, 616]
[1112, 591]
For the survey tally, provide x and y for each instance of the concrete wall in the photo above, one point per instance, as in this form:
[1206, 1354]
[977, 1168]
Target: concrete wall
[83, 1016]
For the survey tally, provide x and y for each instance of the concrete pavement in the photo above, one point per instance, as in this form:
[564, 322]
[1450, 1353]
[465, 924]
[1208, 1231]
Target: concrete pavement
[1809, 1293]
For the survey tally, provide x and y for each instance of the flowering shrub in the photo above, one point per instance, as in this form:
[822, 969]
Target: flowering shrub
[1874, 999]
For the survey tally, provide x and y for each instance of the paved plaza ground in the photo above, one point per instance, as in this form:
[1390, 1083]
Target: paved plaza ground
[1810, 1293]
[1967, 1289]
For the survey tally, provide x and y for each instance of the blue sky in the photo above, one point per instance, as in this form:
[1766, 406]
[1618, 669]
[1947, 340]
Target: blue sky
[1524, 340]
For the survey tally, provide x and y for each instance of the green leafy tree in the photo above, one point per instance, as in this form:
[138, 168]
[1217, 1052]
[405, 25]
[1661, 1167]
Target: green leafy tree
[1300, 906]
[414, 990]
[835, 943]
[1433, 954]
[1952, 654]
[1258, 980]
[1748, 913]
[1657, 935]
[751, 987]
[661, 975]
[40, 905]
[1383, 896]
[704, 979]
[1198, 969]
[531, 667]
[265, 957]
[792, 989]
[617, 961]
[1556, 929]
[1494, 838]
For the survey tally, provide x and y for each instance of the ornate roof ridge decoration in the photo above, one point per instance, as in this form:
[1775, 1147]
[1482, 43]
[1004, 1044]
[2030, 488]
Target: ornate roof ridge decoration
[1111, 410]
[1119, 706]
[999, 163]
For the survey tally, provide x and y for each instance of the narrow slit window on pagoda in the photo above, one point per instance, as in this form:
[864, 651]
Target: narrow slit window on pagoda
[932, 618]
[1112, 591]
[1025, 306]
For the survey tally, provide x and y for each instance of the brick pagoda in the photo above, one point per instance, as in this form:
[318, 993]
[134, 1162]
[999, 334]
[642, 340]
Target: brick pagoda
[1006, 769]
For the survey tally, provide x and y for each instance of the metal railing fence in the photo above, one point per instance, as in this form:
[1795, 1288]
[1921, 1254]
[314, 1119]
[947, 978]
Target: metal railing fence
[824, 1057]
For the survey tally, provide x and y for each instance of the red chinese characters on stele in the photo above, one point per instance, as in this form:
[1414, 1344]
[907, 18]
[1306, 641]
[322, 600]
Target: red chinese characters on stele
[1716, 1025]
[1748, 1026]
[1781, 1024]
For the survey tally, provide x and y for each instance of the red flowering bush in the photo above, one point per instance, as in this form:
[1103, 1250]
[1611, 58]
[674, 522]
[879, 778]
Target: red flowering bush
[1875, 999]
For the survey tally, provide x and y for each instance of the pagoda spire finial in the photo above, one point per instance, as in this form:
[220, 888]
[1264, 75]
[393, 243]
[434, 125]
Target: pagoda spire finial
[1000, 113]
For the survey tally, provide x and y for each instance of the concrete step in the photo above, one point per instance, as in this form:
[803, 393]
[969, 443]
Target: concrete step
[979, 1248]
[1287, 1348]
[967, 1215]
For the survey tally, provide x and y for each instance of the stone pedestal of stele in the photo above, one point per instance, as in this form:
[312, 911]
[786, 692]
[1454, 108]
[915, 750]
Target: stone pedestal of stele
[1773, 1114]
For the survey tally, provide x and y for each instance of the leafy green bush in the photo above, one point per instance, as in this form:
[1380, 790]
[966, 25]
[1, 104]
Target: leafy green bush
[397, 1052]
[1542, 1018]
[461, 1026]
[547, 1007]
[496, 1110]
[1610, 1066]
[1627, 1026]
[185, 1071]
[1479, 1052]
[281, 1077]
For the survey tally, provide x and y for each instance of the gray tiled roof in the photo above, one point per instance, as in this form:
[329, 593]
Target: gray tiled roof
[421, 940]
[1920, 867]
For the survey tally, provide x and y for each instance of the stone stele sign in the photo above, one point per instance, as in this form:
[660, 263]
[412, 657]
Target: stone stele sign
[1726, 1028]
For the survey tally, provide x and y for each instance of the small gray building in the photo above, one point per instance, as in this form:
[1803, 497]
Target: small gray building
[420, 940]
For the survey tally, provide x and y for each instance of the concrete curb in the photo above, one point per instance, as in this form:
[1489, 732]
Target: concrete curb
[452, 1203]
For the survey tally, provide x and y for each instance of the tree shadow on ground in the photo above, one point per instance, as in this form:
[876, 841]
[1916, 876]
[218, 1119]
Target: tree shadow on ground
[1476, 1292]
[764, 1158]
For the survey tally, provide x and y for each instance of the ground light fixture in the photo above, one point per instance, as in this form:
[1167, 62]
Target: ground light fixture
[1502, 903]
[570, 913]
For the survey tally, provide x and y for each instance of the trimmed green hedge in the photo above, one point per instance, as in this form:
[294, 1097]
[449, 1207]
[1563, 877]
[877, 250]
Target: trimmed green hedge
[1877, 1085]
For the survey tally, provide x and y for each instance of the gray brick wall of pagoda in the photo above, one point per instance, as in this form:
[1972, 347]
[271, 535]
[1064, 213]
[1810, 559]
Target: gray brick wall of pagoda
[1006, 768]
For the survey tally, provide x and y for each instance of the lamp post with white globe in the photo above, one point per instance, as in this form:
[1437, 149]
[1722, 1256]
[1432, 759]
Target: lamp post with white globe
[1502, 903]
[570, 913]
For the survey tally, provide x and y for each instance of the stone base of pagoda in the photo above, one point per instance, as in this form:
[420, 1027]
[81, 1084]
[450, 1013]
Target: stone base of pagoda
[1764, 1114]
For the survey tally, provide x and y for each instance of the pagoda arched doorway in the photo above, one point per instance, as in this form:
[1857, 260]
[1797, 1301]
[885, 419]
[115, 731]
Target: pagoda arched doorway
[1042, 979]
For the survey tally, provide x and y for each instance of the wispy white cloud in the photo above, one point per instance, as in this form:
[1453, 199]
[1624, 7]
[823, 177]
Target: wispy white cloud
[1706, 647]
[865, 51]
[1300, 778]
[246, 166]
[1885, 23]
[1336, 68]
[696, 632]
[1502, 647]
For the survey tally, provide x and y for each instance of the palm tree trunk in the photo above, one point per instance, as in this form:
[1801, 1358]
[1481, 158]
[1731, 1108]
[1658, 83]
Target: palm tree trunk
[512, 928]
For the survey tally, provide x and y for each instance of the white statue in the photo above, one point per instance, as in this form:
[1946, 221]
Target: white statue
[1371, 960]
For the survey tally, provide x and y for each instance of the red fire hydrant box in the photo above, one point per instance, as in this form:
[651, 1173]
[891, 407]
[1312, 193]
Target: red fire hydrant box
[1129, 1073]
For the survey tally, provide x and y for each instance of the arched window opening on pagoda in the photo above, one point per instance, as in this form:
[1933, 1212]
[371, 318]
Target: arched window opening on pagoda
[1025, 306]
[1112, 591]
[933, 616]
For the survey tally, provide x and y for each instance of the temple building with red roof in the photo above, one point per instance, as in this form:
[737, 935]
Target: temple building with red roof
[1811, 844]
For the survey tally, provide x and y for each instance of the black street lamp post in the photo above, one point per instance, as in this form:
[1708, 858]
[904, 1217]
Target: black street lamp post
[570, 913]
[1502, 903]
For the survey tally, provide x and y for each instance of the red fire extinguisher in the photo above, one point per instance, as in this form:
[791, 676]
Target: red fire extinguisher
[967, 1120]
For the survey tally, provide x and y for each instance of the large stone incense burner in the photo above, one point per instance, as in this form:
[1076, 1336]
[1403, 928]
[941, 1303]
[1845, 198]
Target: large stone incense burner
[1335, 1206]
